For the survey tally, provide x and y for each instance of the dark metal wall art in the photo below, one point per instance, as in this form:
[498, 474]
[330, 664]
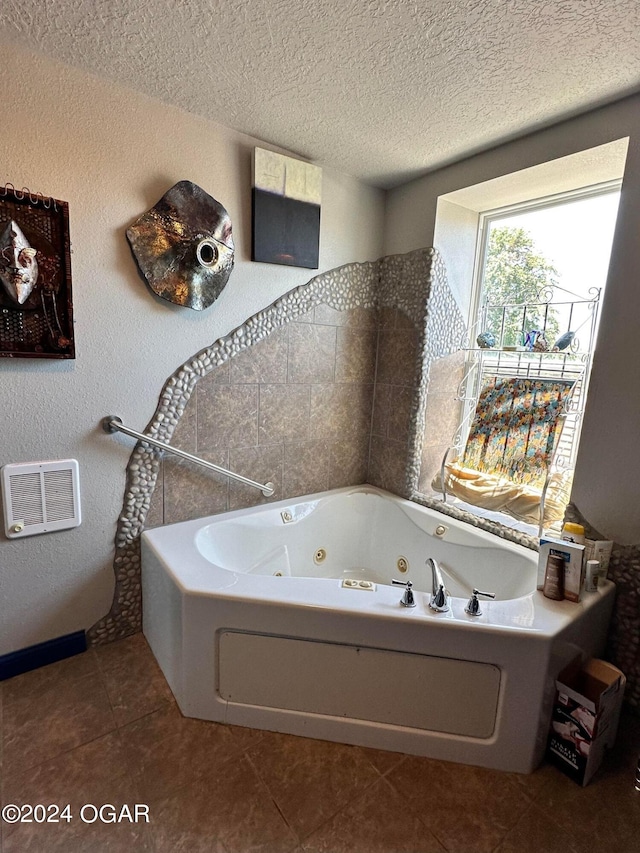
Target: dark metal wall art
[36, 309]
[184, 247]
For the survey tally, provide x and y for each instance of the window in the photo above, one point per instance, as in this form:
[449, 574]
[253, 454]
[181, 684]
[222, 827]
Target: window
[540, 274]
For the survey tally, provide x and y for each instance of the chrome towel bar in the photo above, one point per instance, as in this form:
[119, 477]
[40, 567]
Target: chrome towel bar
[114, 424]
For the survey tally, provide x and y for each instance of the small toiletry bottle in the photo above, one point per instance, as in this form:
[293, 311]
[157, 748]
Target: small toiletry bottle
[573, 533]
[592, 575]
[554, 578]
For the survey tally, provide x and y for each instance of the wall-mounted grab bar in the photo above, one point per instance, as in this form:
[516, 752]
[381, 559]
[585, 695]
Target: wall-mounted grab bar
[114, 424]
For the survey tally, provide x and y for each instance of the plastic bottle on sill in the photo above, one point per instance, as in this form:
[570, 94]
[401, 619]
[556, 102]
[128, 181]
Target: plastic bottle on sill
[573, 533]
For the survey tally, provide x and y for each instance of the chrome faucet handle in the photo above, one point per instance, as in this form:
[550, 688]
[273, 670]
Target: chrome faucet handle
[473, 605]
[439, 601]
[407, 599]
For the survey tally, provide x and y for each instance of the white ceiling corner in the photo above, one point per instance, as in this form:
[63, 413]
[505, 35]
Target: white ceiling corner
[380, 89]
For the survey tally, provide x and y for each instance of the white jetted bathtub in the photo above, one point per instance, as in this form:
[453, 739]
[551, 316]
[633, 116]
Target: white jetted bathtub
[283, 617]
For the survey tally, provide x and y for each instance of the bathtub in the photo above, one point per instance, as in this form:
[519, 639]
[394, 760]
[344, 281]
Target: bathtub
[283, 617]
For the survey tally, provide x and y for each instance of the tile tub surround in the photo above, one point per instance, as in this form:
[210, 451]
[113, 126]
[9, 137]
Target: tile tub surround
[212, 787]
[290, 396]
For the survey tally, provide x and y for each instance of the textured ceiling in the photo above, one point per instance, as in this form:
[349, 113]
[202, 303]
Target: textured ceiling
[380, 89]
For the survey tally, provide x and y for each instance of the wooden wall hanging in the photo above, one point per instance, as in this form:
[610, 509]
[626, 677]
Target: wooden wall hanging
[36, 309]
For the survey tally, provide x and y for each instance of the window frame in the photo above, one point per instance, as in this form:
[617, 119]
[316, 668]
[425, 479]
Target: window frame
[486, 219]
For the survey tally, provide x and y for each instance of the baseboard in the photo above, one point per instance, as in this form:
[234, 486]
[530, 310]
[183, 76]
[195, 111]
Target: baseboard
[33, 657]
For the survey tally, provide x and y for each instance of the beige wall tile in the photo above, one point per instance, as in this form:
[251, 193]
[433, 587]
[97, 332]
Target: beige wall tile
[284, 413]
[263, 464]
[194, 492]
[306, 468]
[380, 416]
[401, 401]
[348, 462]
[362, 318]
[356, 355]
[387, 465]
[387, 318]
[312, 353]
[265, 361]
[340, 410]
[227, 416]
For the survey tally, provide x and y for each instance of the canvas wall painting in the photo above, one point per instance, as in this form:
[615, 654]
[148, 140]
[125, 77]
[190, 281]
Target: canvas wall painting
[286, 210]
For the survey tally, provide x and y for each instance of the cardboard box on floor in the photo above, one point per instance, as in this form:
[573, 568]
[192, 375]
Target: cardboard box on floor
[585, 717]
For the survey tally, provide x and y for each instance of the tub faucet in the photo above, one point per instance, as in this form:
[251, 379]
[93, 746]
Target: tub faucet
[439, 600]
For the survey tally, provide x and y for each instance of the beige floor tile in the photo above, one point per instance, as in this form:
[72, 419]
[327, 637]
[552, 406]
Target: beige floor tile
[228, 809]
[52, 710]
[382, 760]
[310, 780]
[531, 784]
[468, 809]
[604, 815]
[134, 681]
[30, 686]
[245, 737]
[536, 832]
[377, 821]
[80, 838]
[166, 750]
[91, 775]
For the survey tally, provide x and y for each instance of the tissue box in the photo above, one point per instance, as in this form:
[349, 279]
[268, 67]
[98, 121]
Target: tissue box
[585, 717]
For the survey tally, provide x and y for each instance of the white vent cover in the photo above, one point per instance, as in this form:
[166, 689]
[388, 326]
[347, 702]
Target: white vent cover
[40, 497]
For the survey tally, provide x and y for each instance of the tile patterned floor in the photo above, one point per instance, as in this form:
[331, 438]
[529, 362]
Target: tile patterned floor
[102, 727]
